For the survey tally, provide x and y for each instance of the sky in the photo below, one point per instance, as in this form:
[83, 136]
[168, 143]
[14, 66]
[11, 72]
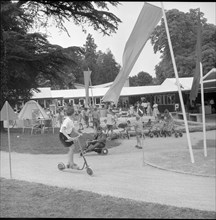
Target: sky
[128, 12]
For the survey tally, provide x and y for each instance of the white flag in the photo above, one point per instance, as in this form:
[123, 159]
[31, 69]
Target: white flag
[87, 75]
[148, 18]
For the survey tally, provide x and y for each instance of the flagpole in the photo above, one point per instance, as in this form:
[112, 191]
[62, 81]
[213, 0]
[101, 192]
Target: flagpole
[178, 84]
[143, 147]
[9, 139]
[92, 92]
[203, 111]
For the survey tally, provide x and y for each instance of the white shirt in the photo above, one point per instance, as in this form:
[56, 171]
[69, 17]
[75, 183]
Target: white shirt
[68, 124]
[144, 104]
[110, 119]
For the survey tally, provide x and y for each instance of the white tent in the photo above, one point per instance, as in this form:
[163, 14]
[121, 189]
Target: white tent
[32, 110]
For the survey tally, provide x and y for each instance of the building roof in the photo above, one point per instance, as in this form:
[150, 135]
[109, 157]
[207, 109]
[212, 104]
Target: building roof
[169, 85]
[103, 85]
[45, 93]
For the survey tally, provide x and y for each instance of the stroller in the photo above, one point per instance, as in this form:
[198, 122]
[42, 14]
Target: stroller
[169, 129]
[154, 128]
[125, 127]
[98, 144]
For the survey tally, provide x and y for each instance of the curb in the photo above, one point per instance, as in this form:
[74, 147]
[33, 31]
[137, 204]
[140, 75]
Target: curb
[177, 171]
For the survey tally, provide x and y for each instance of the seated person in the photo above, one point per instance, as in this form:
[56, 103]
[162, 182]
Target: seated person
[99, 141]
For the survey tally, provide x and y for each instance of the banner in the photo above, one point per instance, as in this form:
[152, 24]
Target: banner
[196, 79]
[148, 18]
[87, 75]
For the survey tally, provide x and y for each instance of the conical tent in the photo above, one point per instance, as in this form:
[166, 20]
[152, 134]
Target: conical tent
[32, 110]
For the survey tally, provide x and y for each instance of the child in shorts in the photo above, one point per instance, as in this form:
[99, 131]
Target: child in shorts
[138, 126]
[66, 129]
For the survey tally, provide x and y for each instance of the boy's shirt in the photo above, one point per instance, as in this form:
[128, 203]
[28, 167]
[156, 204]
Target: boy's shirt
[68, 124]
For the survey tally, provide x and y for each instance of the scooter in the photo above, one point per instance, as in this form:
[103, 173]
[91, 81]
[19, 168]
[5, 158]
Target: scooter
[62, 166]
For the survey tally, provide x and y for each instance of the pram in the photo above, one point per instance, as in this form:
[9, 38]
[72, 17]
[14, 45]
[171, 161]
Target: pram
[123, 129]
[153, 128]
[98, 144]
[169, 128]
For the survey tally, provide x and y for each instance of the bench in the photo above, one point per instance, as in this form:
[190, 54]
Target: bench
[195, 117]
[180, 116]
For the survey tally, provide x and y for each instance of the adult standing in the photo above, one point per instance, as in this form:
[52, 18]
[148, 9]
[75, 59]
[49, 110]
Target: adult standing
[144, 105]
[140, 109]
[155, 110]
[212, 103]
[149, 109]
[96, 118]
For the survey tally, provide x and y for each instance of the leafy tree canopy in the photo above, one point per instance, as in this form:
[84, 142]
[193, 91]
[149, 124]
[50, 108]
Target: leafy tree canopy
[84, 13]
[183, 34]
[141, 79]
[28, 59]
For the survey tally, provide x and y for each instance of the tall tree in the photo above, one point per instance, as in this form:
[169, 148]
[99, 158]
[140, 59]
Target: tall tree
[107, 67]
[141, 79]
[90, 57]
[28, 60]
[182, 28]
[89, 13]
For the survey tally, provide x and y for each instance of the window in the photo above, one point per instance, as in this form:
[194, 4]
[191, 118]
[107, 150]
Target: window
[97, 100]
[158, 99]
[170, 99]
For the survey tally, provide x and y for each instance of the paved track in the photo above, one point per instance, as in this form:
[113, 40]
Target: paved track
[121, 174]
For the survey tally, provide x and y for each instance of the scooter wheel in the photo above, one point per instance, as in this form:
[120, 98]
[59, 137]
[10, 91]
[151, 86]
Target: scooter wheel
[176, 135]
[89, 171]
[61, 166]
[104, 151]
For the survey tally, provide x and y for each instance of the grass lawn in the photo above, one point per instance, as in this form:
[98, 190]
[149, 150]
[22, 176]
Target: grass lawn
[47, 143]
[20, 199]
[179, 159]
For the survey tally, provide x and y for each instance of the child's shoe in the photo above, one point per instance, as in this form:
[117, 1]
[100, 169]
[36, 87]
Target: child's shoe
[73, 166]
[139, 147]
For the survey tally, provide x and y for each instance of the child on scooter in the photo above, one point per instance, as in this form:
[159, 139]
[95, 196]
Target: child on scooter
[66, 129]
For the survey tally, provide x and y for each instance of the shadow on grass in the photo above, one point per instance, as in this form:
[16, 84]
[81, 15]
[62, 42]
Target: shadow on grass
[48, 143]
[179, 159]
[210, 143]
